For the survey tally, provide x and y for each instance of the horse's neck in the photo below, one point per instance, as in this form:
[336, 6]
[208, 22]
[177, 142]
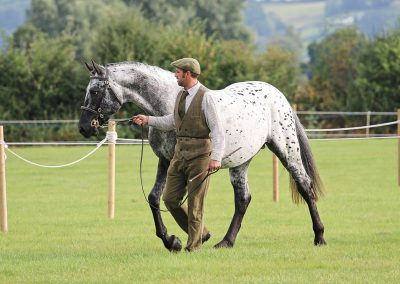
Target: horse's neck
[151, 88]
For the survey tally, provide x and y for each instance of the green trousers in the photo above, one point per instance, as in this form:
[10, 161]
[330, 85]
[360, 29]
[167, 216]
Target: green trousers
[190, 217]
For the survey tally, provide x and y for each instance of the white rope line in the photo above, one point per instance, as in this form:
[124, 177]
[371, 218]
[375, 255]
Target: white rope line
[355, 138]
[111, 137]
[301, 112]
[353, 128]
[131, 140]
[120, 141]
[53, 121]
[59, 166]
[344, 113]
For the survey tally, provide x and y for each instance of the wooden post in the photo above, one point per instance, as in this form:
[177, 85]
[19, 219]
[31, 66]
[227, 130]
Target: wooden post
[398, 147]
[111, 173]
[275, 178]
[368, 123]
[3, 194]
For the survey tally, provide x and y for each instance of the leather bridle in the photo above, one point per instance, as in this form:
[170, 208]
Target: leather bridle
[98, 111]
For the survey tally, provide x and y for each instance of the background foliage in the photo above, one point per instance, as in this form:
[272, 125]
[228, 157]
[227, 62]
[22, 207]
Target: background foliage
[42, 63]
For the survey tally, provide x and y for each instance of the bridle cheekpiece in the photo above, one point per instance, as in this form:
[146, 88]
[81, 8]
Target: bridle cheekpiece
[99, 111]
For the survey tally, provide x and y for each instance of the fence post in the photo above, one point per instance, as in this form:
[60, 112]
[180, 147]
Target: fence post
[111, 172]
[3, 194]
[398, 147]
[368, 123]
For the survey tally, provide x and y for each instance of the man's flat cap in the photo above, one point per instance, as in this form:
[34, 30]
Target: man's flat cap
[188, 64]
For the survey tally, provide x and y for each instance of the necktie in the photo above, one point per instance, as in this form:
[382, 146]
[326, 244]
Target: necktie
[182, 103]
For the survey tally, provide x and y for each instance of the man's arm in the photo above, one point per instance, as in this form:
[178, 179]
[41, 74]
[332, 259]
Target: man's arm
[165, 123]
[215, 125]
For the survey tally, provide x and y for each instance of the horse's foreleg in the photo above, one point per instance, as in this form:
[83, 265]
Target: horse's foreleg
[242, 199]
[172, 243]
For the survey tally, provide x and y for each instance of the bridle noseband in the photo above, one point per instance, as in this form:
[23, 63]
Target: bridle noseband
[99, 112]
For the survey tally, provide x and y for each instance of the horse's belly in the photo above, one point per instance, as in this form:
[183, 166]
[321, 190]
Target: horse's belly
[246, 109]
[246, 131]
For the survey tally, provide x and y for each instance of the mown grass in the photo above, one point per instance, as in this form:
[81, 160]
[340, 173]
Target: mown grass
[59, 231]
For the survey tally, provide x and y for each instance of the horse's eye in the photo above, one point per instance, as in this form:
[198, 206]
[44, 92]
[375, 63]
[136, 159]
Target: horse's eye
[93, 92]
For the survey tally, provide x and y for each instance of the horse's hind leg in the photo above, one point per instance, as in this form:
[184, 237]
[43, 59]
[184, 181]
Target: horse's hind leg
[172, 243]
[291, 160]
[242, 199]
[305, 189]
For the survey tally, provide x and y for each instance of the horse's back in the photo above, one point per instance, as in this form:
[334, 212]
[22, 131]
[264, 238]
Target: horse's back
[248, 111]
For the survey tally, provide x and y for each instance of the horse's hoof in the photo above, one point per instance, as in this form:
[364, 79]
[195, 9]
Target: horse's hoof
[320, 242]
[224, 244]
[175, 244]
[205, 238]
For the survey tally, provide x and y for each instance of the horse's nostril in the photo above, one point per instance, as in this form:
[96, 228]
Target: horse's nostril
[82, 131]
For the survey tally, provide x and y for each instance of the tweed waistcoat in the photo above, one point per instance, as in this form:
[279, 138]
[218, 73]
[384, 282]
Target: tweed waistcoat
[192, 132]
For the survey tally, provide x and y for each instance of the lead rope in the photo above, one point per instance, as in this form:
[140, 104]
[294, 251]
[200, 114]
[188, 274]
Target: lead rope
[187, 196]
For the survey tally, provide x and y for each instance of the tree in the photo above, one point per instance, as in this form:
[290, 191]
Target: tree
[167, 12]
[25, 36]
[377, 85]
[41, 82]
[222, 19]
[332, 69]
[280, 68]
[266, 26]
[127, 36]
[73, 17]
[233, 61]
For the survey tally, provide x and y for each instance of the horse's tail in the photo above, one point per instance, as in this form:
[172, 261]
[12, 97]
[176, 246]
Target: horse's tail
[307, 158]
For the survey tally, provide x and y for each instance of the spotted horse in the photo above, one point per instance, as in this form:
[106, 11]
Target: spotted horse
[253, 114]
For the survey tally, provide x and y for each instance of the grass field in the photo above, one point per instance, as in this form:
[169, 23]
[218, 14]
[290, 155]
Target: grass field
[59, 231]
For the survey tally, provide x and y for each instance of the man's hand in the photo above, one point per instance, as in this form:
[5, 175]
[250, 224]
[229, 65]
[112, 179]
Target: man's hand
[140, 119]
[214, 165]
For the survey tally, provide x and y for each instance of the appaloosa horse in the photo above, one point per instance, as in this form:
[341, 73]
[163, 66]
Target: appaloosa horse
[254, 114]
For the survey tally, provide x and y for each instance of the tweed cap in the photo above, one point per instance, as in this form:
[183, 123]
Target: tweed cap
[188, 64]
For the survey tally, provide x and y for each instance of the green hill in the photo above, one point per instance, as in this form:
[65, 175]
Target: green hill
[312, 20]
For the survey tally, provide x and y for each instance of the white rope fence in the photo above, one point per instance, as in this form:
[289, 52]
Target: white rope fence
[112, 138]
[57, 166]
[353, 128]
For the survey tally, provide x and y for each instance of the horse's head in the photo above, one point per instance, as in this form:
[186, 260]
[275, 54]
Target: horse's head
[102, 100]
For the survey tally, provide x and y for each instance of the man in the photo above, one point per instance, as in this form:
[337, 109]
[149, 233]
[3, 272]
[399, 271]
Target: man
[199, 149]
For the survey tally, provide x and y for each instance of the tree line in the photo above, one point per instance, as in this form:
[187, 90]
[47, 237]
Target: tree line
[43, 76]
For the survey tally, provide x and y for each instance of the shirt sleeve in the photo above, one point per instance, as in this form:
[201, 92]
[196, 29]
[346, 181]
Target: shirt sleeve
[214, 123]
[165, 123]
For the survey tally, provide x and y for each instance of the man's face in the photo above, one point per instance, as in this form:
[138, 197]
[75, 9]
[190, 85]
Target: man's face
[181, 77]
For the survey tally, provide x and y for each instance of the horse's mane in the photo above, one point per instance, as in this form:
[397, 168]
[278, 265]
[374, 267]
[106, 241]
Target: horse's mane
[143, 67]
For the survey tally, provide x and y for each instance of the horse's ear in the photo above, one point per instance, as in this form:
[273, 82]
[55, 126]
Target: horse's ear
[100, 70]
[90, 68]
